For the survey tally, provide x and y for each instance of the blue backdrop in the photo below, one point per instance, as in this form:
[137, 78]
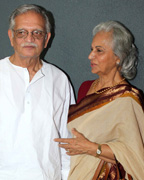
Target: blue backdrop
[74, 21]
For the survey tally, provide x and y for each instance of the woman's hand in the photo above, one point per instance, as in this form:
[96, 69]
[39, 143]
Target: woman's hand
[77, 145]
[81, 145]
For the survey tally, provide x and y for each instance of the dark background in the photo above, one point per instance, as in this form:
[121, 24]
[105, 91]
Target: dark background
[74, 21]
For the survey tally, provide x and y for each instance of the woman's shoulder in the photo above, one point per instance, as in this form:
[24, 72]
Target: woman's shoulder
[87, 83]
[132, 91]
[139, 94]
[84, 87]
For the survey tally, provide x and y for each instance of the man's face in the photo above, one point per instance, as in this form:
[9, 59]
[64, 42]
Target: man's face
[28, 46]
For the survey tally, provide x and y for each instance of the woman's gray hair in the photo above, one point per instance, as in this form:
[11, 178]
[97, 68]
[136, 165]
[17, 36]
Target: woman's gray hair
[122, 45]
[30, 7]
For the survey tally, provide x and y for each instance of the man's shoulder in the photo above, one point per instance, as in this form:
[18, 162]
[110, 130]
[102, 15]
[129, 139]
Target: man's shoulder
[57, 78]
[53, 69]
[3, 60]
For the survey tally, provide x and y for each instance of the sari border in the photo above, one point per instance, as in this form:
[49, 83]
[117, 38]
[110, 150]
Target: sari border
[133, 93]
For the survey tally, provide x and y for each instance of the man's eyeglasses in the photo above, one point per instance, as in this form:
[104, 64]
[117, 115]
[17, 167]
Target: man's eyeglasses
[22, 33]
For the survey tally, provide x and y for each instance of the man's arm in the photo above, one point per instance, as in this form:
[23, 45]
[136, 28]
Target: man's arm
[64, 133]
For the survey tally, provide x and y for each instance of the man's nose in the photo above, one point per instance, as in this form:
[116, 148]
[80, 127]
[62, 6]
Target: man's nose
[29, 37]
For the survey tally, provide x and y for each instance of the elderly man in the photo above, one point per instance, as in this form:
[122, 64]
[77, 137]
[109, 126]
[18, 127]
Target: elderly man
[34, 102]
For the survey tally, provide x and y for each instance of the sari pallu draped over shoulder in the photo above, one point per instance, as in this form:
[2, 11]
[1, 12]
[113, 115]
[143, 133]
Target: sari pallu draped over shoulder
[115, 118]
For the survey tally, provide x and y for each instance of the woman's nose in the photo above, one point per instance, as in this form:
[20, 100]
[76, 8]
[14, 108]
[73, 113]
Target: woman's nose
[91, 55]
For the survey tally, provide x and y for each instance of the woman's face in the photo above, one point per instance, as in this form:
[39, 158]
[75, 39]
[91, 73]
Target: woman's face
[102, 58]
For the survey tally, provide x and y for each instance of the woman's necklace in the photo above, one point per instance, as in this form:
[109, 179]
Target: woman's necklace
[97, 81]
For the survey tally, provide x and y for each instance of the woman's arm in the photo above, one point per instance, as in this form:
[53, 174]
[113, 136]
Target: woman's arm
[81, 145]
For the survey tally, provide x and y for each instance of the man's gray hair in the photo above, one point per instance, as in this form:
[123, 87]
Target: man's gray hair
[30, 7]
[122, 45]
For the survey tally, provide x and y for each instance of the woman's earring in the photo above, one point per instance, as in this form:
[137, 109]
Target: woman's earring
[117, 63]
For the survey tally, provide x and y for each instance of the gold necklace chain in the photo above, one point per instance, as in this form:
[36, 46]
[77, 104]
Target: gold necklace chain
[97, 81]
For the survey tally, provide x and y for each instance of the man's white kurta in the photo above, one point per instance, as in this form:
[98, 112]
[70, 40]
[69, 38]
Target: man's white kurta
[32, 114]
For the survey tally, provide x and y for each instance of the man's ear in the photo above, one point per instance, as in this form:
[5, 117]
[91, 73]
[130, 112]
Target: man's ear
[10, 35]
[47, 39]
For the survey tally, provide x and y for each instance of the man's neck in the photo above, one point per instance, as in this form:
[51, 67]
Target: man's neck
[32, 64]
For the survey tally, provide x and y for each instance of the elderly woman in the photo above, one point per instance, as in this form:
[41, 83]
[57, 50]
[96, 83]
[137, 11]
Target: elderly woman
[108, 120]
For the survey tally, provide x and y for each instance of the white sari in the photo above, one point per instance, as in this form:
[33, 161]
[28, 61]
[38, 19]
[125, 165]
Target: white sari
[114, 118]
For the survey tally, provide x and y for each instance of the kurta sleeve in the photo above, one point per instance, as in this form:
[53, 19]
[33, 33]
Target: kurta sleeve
[64, 133]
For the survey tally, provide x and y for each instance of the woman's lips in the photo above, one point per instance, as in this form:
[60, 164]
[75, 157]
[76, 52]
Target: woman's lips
[93, 65]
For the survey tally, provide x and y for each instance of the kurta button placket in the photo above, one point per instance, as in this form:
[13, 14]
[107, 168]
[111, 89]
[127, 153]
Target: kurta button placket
[27, 98]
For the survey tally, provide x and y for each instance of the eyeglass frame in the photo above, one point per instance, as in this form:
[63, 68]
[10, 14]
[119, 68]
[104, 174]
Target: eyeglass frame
[27, 32]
